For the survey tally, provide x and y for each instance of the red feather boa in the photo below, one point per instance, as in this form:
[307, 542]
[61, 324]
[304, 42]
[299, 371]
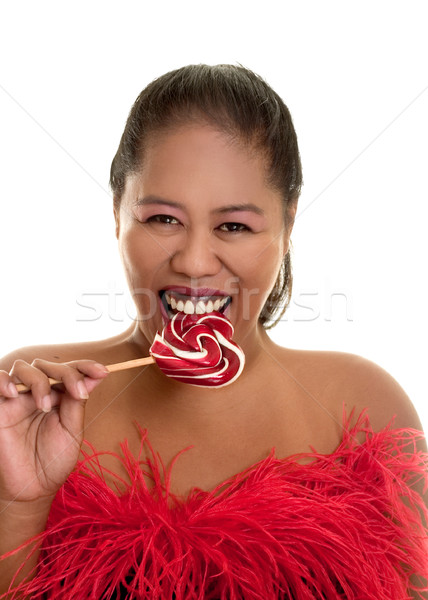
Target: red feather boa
[333, 528]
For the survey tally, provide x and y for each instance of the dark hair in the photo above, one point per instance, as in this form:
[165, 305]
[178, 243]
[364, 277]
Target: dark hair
[237, 102]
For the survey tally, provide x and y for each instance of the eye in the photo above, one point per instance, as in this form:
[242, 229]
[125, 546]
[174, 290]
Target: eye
[163, 220]
[234, 227]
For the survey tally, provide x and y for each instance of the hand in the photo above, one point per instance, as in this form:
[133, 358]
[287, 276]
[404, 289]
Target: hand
[41, 431]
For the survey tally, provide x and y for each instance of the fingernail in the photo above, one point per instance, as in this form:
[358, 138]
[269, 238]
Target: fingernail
[101, 367]
[12, 391]
[83, 392]
[46, 404]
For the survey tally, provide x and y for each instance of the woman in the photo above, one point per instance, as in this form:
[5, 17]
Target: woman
[205, 182]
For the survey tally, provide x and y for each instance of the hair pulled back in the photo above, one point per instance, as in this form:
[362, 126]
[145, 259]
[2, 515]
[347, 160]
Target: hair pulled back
[237, 102]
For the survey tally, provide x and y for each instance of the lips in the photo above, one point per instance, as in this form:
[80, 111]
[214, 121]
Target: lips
[189, 301]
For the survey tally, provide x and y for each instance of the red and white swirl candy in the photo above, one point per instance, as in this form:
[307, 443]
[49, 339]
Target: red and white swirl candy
[198, 350]
[191, 349]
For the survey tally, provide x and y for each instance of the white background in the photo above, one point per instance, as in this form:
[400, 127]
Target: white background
[354, 75]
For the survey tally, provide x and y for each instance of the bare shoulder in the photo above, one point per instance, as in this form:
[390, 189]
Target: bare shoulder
[54, 353]
[368, 385]
[104, 351]
[344, 379]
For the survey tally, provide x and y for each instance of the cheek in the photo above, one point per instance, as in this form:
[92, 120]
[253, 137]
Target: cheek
[139, 256]
[265, 259]
[139, 285]
[140, 268]
[258, 276]
[132, 256]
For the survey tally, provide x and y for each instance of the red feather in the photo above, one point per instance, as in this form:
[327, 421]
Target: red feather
[333, 528]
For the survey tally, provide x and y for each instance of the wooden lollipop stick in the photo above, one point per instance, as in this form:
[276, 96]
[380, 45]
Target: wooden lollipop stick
[122, 366]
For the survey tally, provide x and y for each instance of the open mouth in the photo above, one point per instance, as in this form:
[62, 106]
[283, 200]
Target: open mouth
[174, 302]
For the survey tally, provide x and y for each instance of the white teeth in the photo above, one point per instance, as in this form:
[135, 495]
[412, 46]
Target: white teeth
[189, 308]
[200, 308]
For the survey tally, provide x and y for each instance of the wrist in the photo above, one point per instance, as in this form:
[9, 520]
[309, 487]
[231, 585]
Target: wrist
[29, 512]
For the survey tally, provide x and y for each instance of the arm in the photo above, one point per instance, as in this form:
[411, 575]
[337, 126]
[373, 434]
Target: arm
[40, 436]
[371, 386]
[19, 522]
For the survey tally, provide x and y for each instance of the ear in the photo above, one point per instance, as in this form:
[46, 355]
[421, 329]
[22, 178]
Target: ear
[290, 217]
[116, 213]
[292, 210]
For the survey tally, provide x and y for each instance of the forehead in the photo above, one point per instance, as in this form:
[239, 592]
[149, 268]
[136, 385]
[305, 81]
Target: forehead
[199, 160]
[199, 142]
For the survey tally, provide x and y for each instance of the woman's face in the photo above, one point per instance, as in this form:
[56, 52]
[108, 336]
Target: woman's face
[199, 230]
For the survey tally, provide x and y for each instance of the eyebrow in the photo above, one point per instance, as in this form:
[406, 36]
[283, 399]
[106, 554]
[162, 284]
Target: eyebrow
[157, 200]
[149, 200]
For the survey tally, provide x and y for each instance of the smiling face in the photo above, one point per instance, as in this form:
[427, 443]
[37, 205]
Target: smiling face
[199, 230]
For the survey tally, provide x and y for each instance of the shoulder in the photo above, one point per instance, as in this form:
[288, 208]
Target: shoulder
[343, 380]
[334, 382]
[105, 351]
[54, 353]
[366, 385]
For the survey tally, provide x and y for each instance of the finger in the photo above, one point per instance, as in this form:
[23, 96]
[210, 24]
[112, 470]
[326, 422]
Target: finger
[71, 413]
[22, 372]
[90, 368]
[7, 386]
[94, 372]
[79, 377]
[68, 375]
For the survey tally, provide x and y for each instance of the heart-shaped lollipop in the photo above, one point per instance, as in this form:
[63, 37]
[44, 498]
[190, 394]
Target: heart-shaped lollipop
[198, 349]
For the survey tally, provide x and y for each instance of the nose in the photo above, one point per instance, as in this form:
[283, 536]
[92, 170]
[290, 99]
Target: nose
[195, 257]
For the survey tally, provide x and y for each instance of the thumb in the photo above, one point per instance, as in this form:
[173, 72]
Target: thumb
[72, 410]
[91, 383]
